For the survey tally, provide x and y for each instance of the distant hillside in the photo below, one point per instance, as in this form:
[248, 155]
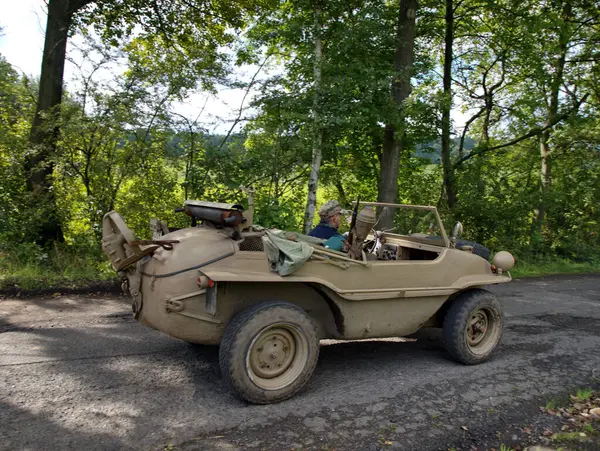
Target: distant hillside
[433, 151]
[174, 147]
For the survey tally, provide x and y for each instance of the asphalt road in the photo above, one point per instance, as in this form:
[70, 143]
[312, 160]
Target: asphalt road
[76, 372]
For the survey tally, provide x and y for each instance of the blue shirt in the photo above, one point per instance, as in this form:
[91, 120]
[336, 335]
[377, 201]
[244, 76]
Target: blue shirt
[329, 233]
[323, 231]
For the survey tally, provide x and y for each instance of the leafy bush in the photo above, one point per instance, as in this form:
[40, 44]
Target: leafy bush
[29, 267]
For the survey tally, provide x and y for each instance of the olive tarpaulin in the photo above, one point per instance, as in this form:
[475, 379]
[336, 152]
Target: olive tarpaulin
[286, 256]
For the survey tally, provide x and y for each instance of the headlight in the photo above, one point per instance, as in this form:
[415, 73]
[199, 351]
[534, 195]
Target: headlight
[504, 261]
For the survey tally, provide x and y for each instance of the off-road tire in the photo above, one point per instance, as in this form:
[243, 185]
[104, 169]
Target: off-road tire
[466, 307]
[255, 323]
[478, 249]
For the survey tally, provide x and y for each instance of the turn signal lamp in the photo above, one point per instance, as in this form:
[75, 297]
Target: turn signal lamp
[205, 282]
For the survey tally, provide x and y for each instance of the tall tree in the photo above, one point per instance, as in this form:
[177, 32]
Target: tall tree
[317, 151]
[447, 106]
[395, 129]
[44, 130]
[556, 82]
[178, 44]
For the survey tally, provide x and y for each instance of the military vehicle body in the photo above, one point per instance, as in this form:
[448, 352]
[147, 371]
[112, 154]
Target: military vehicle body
[214, 283]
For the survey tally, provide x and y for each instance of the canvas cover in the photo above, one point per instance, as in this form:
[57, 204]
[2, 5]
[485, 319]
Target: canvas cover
[286, 256]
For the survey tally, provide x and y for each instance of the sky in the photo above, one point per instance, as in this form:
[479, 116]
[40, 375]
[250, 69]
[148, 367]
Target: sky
[22, 41]
[23, 23]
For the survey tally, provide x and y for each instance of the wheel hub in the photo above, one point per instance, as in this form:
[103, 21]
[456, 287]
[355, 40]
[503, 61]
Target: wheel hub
[272, 354]
[477, 327]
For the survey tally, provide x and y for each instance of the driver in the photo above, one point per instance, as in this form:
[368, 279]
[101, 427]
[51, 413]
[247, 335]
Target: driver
[331, 218]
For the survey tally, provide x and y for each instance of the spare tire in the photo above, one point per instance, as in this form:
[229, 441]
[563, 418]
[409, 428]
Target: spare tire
[478, 249]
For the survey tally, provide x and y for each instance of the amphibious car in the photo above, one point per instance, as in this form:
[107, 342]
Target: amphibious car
[268, 297]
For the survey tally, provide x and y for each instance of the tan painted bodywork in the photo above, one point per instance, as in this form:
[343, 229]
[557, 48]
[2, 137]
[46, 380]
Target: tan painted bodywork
[375, 299]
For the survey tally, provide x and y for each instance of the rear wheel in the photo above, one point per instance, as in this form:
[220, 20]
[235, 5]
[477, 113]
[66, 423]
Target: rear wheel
[269, 352]
[473, 326]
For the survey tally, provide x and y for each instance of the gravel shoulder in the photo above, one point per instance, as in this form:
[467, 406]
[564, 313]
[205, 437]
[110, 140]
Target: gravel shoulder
[77, 372]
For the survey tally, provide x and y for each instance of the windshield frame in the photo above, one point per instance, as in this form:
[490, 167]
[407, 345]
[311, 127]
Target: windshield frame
[414, 207]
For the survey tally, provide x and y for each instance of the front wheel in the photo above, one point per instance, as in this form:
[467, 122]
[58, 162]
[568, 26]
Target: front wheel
[473, 326]
[269, 352]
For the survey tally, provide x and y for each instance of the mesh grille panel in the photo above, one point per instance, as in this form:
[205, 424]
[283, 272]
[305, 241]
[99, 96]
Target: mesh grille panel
[252, 244]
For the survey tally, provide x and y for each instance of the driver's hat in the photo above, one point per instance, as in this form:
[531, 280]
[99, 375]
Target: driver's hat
[329, 209]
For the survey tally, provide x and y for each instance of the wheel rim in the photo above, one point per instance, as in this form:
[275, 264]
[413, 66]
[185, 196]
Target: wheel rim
[483, 330]
[276, 356]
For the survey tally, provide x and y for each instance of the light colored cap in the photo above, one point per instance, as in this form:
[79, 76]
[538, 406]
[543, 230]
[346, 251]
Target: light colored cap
[330, 208]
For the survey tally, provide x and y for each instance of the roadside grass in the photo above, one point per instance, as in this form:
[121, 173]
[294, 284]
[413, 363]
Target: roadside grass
[583, 394]
[28, 267]
[558, 402]
[547, 267]
[551, 404]
[503, 447]
[580, 417]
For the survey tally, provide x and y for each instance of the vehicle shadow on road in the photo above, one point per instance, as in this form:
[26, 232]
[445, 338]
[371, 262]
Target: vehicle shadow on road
[425, 344]
[106, 386]
[122, 385]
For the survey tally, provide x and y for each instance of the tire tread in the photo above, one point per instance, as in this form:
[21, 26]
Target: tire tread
[232, 377]
[459, 310]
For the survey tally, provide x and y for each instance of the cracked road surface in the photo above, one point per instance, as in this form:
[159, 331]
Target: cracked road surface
[76, 372]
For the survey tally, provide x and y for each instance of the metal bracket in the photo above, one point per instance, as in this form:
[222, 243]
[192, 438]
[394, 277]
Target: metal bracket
[173, 306]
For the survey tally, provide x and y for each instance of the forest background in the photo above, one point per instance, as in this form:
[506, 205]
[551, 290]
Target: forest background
[345, 99]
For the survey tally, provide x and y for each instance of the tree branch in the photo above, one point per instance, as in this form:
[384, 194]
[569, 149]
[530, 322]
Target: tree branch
[241, 109]
[466, 127]
[531, 133]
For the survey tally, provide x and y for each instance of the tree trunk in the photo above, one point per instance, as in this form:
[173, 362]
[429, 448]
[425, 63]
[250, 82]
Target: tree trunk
[39, 165]
[313, 181]
[449, 176]
[44, 130]
[394, 129]
[545, 151]
[545, 178]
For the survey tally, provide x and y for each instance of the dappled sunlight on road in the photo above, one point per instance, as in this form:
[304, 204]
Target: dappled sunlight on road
[81, 374]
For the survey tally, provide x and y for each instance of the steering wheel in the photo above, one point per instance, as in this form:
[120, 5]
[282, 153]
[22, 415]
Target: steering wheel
[371, 246]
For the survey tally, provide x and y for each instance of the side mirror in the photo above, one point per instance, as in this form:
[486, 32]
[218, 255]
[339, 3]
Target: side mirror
[458, 230]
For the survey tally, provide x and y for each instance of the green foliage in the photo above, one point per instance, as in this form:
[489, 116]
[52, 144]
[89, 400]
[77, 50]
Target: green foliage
[549, 265]
[551, 404]
[154, 194]
[16, 111]
[583, 394]
[29, 267]
[124, 145]
[285, 214]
